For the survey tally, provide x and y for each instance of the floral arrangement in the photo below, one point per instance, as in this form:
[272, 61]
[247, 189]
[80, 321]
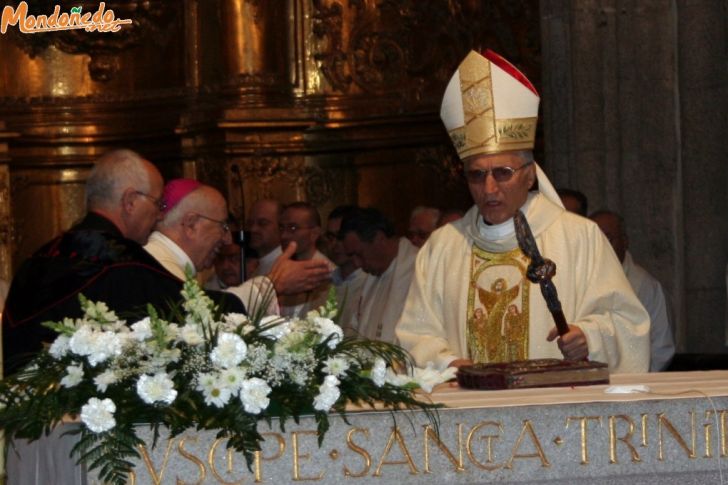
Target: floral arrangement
[202, 370]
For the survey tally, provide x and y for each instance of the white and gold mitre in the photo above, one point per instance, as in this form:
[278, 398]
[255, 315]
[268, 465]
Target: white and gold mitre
[489, 106]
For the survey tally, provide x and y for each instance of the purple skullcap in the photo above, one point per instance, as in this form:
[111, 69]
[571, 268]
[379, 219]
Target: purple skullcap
[176, 190]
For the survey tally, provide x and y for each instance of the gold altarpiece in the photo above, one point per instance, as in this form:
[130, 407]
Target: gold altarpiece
[331, 101]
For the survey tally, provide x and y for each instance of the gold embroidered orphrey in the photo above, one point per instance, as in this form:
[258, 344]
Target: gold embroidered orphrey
[498, 316]
[482, 132]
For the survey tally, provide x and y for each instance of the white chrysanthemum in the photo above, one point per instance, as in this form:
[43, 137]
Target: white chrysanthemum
[142, 329]
[336, 366]
[60, 347]
[157, 388]
[213, 390]
[280, 328]
[254, 395]
[104, 345]
[74, 375]
[191, 334]
[327, 328]
[230, 350]
[82, 340]
[98, 415]
[105, 379]
[379, 372]
[328, 394]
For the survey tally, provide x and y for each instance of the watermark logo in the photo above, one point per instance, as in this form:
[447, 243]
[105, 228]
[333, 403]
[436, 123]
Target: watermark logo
[101, 20]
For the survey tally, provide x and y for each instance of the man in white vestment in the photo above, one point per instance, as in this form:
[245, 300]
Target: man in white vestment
[648, 290]
[470, 300]
[262, 226]
[194, 228]
[300, 223]
[422, 222]
[388, 262]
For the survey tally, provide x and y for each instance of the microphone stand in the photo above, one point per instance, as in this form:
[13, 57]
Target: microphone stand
[241, 231]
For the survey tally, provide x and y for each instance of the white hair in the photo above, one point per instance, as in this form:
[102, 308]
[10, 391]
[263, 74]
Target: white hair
[113, 173]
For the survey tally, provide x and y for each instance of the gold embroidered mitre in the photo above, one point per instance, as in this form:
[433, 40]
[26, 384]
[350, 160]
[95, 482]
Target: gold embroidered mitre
[489, 106]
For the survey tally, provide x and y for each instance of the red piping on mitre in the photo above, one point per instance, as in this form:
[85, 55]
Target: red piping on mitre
[504, 64]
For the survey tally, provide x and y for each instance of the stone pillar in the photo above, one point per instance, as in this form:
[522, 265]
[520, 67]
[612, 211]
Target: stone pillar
[634, 101]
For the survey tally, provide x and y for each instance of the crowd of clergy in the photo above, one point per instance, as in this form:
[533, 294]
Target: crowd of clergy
[452, 291]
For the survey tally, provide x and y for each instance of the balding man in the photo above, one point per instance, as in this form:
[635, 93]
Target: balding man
[101, 257]
[423, 221]
[193, 228]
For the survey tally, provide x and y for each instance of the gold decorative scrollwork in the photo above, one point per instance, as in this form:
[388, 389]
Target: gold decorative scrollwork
[443, 161]
[150, 22]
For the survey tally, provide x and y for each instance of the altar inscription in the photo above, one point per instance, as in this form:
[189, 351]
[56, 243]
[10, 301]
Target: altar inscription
[472, 446]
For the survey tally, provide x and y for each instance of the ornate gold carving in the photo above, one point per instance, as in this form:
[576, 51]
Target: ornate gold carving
[150, 24]
[259, 456]
[445, 163]
[489, 464]
[156, 477]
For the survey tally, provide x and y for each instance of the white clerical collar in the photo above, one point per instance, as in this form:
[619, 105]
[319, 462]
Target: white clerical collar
[181, 259]
[504, 230]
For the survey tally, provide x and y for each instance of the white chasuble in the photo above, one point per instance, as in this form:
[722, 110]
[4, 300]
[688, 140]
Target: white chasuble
[497, 329]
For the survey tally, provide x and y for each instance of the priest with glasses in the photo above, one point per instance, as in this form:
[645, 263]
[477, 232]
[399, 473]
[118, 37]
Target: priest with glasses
[470, 300]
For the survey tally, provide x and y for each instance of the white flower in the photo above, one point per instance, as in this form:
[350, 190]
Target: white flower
[105, 345]
[105, 379]
[99, 312]
[379, 371]
[232, 378]
[142, 329]
[235, 319]
[98, 415]
[328, 394]
[213, 390]
[254, 395]
[74, 375]
[81, 341]
[429, 377]
[190, 334]
[59, 348]
[156, 389]
[230, 350]
[280, 327]
[327, 328]
[336, 366]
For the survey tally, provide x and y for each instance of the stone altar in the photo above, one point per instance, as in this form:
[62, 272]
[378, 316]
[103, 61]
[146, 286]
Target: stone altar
[673, 431]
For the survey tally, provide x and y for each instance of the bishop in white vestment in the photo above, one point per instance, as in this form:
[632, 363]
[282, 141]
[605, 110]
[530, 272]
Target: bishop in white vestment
[470, 300]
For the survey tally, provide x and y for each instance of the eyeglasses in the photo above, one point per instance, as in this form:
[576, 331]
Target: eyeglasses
[292, 227]
[160, 203]
[500, 174]
[224, 224]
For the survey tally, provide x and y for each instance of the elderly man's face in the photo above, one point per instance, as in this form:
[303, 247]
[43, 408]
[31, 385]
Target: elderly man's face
[227, 264]
[263, 227]
[210, 233]
[499, 201]
[296, 225]
[146, 208]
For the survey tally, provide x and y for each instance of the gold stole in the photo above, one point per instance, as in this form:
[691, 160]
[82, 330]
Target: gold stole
[498, 313]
